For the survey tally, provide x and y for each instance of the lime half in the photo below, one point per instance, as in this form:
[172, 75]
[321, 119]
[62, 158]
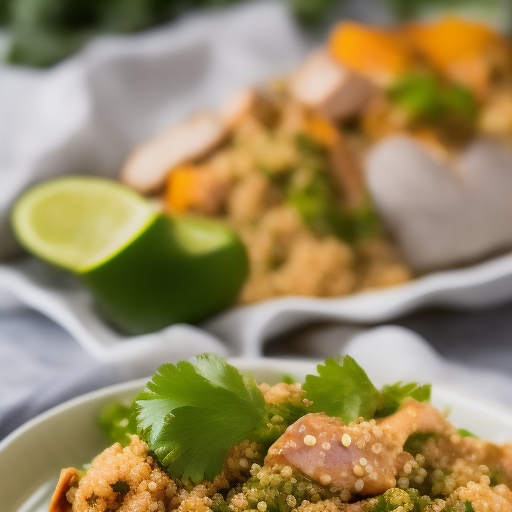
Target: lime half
[145, 269]
[78, 222]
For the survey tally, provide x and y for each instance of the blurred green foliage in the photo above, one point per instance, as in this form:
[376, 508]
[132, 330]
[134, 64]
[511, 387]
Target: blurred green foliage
[407, 9]
[42, 32]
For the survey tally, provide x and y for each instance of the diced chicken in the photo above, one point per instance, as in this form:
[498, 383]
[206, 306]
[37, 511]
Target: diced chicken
[358, 457]
[361, 457]
[147, 167]
[329, 88]
[59, 503]
[249, 102]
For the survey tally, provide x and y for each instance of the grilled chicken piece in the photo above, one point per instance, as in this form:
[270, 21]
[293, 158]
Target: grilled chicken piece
[59, 502]
[147, 167]
[361, 457]
[329, 88]
[249, 102]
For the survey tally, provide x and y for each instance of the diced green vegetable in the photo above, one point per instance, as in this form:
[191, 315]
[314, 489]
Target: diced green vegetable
[407, 500]
[288, 379]
[415, 442]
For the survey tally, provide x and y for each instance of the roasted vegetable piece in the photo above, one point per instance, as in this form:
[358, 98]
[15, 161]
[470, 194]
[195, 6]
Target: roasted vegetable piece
[59, 503]
[377, 53]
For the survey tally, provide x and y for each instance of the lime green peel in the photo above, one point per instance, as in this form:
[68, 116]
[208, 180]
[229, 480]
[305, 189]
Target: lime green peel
[145, 269]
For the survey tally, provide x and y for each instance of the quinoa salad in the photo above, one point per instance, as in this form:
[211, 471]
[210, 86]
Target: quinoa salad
[203, 437]
[287, 165]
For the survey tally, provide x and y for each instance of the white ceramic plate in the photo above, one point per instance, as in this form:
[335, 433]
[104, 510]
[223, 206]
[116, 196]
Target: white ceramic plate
[32, 456]
[245, 329]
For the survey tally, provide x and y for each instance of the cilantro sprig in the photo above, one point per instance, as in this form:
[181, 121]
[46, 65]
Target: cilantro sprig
[342, 388]
[192, 413]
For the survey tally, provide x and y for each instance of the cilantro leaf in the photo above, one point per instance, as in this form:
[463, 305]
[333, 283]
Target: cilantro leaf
[192, 413]
[393, 396]
[342, 389]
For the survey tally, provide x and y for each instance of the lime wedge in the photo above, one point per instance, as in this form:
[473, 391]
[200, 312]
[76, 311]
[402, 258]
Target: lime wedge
[78, 222]
[145, 269]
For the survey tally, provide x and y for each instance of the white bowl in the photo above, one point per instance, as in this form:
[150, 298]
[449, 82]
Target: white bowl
[32, 456]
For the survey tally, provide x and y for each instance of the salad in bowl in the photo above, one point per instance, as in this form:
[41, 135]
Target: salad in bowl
[204, 437]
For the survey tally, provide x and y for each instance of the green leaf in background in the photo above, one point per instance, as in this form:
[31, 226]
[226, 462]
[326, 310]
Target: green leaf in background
[318, 203]
[311, 11]
[81, 20]
[118, 422]
[192, 413]
[42, 48]
[408, 9]
[342, 389]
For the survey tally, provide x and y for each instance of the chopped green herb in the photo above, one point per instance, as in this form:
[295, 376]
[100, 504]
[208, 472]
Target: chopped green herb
[415, 442]
[121, 487]
[468, 506]
[192, 413]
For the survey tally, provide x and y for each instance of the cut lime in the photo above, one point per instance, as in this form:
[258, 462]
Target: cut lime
[77, 222]
[145, 269]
